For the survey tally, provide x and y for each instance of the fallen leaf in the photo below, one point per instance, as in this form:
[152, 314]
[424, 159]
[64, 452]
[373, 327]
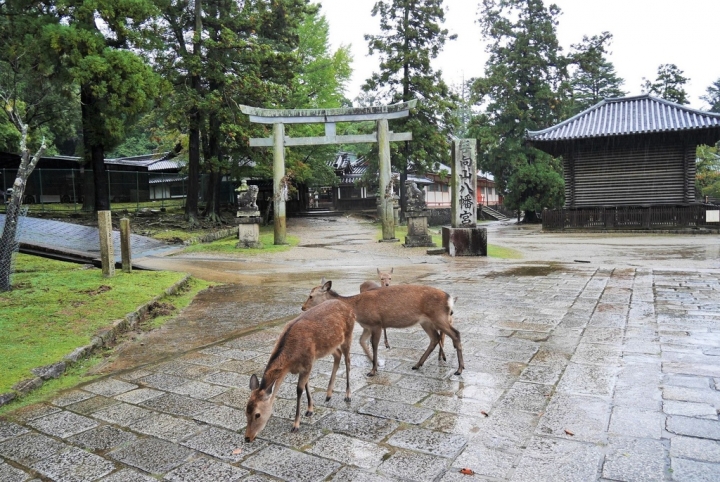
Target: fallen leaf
[467, 471]
[569, 432]
[237, 451]
[483, 412]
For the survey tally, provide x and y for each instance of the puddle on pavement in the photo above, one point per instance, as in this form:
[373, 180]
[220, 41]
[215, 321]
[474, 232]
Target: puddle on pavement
[543, 270]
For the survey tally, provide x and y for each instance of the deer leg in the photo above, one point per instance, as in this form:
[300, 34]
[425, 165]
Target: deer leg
[346, 352]
[441, 344]
[434, 339]
[363, 342]
[311, 402]
[375, 340]
[455, 337]
[387, 345]
[336, 363]
[301, 385]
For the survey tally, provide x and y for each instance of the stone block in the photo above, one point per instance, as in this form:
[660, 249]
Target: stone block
[74, 464]
[465, 241]
[50, 371]
[350, 451]
[63, 424]
[221, 444]
[6, 398]
[429, 442]
[287, 464]
[153, 455]
[26, 386]
[248, 233]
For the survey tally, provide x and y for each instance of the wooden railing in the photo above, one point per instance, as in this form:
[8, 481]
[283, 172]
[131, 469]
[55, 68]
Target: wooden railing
[627, 217]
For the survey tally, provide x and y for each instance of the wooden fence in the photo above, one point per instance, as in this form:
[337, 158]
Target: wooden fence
[627, 217]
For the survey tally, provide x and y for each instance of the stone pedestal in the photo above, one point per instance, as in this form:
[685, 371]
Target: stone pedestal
[248, 231]
[396, 210]
[418, 230]
[465, 241]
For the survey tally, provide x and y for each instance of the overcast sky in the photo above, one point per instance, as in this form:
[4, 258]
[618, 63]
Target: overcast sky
[646, 33]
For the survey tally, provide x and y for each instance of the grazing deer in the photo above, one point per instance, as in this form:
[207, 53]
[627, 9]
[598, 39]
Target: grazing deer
[399, 306]
[385, 277]
[324, 330]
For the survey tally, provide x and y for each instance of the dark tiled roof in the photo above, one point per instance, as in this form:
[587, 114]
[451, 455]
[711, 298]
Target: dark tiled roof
[642, 114]
[153, 162]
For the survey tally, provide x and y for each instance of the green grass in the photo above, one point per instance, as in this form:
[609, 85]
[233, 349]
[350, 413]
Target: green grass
[494, 251]
[55, 307]
[227, 245]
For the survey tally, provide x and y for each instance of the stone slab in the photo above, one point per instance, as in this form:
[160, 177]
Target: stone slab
[153, 455]
[465, 241]
[552, 459]
[429, 442]
[350, 451]
[74, 465]
[357, 425]
[395, 411]
[206, 470]
[408, 465]
[287, 464]
[635, 459]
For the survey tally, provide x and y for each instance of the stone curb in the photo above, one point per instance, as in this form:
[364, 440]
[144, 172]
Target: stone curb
[102, 338]
[207, 238]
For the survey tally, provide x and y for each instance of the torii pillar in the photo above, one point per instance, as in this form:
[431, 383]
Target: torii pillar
[279, 117]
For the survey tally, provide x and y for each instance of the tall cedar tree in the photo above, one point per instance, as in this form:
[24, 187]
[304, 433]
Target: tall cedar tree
[32, 82]
[220, 53]
[411, 37]
[525, 88]
[92, 41]
[669, 84]
[594, 77]
[319, 82]
[713, 96]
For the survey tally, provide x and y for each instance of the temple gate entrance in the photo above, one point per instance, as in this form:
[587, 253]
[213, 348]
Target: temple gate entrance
[383, 136]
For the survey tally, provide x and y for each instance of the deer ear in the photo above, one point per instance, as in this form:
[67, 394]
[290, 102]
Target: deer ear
[269, 390]
[254, 383]
[327, 285]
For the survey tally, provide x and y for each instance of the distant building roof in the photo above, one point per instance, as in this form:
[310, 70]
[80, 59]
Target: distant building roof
[152, 162]
[642, 114]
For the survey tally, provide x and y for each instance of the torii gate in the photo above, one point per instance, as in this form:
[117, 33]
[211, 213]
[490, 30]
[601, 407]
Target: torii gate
[279, 117]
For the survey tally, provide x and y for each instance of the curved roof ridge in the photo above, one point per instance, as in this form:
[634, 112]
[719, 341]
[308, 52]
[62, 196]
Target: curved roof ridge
[627, 115]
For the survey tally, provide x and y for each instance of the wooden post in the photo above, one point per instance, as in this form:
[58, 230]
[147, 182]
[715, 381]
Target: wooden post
[125, 245]
[386, 196]
[107, 256]
[279, 186]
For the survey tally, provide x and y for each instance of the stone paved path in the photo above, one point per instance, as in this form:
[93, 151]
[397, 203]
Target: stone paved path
[574, 372]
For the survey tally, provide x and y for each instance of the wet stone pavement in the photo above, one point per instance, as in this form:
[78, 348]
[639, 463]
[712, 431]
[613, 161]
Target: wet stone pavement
[572, 373]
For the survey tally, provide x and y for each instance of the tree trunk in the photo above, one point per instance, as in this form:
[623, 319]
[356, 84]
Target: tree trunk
[8, 239]
[193, 184]
[100, 178]
[8, 242]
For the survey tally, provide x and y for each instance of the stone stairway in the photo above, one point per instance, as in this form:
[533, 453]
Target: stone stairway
[494, 214]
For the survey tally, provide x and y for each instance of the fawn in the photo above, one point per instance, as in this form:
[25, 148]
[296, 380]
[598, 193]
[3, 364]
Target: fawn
[318, 332]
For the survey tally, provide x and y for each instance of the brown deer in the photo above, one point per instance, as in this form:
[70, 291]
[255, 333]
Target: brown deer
[385, 277]
[399, 306]
[324, 330]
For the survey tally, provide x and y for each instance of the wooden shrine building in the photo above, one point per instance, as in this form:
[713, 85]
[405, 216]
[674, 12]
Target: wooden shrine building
[629, 163]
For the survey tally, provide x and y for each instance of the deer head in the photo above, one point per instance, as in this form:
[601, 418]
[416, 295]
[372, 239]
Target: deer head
[259, 408]
[318, 294]
[385, 276]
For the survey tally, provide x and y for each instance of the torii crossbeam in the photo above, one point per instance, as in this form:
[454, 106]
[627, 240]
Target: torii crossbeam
[279, 117]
